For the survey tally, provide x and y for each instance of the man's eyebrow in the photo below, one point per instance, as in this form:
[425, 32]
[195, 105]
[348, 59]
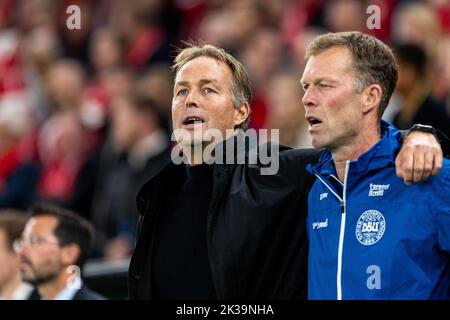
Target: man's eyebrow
[206, 81]
[201, 81]
[182, 83]
[319, 80]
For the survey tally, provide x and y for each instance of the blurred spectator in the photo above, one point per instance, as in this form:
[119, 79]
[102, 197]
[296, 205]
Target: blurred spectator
[138, 148]
[105, 50]
[441, 83]
[137, 22]
[65, 83]
[40, 49]
[413, 86]
[299, 15]
[345, 15]
[117, 81]
[299, 44]
[106, 61]
[12, 66]
[75, 42]
[273, 10]
[285, 111]
[6, 10]
[416, 22]
[214, 29]
[262, 56]
[105, 87]
[191, 13]
[36, 14]
[18, 172]
[11, 285]
[54, 246]
[244, 21]
[68, 140]
[157, 84]
[65, 151]
[230, 25]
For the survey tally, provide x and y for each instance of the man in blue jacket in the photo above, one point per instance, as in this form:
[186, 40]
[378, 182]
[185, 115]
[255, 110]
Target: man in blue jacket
[371, 236]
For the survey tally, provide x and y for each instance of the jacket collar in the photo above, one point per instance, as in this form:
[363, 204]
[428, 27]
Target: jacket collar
[382, 154]
[171, 176]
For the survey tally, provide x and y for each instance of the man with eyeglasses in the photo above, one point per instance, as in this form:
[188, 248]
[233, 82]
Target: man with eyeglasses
[55, 243]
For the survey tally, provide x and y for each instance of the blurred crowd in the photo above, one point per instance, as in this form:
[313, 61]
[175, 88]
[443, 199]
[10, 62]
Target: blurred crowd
[85, 114]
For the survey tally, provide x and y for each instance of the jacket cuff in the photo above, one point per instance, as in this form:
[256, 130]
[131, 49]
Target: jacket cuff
[440, 136]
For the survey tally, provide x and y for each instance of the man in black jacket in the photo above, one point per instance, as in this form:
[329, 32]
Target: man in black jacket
[209, 230]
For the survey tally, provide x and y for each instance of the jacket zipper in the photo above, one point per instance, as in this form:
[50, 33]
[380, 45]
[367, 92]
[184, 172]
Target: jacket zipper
[342, 233]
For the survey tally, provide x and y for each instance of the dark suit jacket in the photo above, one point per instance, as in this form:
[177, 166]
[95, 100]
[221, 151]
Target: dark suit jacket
[83, 294]
[34, 295]
[86, 294]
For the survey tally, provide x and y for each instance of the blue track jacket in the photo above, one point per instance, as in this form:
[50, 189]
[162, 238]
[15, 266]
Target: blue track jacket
[373, 237]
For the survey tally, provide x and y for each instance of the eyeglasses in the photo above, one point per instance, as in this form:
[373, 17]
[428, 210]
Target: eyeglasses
[33, 242]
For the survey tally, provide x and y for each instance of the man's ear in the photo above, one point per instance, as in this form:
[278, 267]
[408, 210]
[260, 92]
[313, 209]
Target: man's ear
[241, 114]
[370, 98]
[70, 254]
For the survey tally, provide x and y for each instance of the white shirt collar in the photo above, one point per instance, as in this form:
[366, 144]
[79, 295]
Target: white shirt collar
[69, 291]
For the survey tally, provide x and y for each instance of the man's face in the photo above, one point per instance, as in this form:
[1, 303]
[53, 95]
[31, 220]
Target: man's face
[40, 253]
[60, 78]
[202, 99]
[9, 261]
[332, 106]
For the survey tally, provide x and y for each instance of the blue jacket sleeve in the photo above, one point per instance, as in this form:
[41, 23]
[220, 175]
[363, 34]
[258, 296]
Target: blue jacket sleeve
[442, 206]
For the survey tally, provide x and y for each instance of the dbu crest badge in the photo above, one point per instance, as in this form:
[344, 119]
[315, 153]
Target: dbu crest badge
[370, 227]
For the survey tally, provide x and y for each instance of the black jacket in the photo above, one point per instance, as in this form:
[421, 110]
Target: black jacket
[256, 233]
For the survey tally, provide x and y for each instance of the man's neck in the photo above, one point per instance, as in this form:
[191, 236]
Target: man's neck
[353, 150]
[51, 289]
[10, 287]
[195, 154]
